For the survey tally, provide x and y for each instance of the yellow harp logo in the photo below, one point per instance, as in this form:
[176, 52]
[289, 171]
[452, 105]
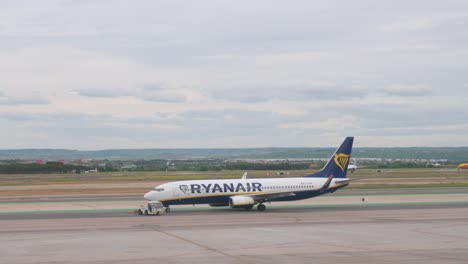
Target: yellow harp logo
[341, 160]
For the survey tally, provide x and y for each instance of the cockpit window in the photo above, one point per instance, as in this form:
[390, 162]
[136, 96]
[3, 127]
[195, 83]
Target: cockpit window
[159, 189]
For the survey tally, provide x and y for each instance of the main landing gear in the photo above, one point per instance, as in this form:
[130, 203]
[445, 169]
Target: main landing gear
[261, 207]
[167, 209]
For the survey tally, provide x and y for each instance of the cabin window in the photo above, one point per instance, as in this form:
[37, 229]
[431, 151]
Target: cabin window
[159, 189]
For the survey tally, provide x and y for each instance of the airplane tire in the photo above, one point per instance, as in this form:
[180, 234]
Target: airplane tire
[168, 209]
[261, 207]
[157, 212]
[140, 212]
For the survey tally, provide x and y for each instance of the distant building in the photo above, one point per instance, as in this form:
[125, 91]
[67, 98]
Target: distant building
[128, 167]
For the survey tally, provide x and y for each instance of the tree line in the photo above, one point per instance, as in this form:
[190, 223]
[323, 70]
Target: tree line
[49, 167]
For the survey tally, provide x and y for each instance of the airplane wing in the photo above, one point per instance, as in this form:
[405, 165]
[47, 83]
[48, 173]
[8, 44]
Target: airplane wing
[264, 197]
[344, 181]
[349, 180]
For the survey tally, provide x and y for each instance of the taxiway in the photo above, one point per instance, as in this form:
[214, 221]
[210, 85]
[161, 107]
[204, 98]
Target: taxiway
[423, 228]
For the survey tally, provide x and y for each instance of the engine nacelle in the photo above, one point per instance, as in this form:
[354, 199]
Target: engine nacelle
[240, 201]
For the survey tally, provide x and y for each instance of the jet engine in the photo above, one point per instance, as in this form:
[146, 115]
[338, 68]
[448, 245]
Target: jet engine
[240, 201]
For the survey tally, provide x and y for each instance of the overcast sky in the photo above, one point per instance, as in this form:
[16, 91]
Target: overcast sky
[189, 74]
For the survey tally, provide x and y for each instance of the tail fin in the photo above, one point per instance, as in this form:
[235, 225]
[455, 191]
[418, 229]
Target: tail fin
[338, 163]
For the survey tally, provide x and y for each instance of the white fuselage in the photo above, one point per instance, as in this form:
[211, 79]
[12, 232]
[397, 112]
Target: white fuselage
[219, 191]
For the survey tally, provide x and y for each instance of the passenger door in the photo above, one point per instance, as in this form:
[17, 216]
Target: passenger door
[175, 191]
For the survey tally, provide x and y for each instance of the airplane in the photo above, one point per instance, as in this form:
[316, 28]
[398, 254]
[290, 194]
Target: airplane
[246, 193]
[352, 167]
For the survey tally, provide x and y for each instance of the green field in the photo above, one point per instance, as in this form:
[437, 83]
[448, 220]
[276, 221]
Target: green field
[392, 178]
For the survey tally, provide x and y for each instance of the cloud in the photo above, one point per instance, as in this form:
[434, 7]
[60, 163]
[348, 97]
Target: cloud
[22, 100]
[104, 93]
[408, 90]
[56, 118]
[287, 92]
[180, 75]
[158, 92]
[151, 93]
[424, 22]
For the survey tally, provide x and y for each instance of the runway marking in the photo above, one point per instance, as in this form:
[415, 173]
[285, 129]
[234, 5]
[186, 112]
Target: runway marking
[210, 249]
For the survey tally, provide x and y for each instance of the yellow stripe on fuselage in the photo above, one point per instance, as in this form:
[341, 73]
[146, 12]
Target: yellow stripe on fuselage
[211, 195]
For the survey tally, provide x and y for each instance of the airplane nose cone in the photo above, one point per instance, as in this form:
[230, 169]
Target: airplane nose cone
[147, 196]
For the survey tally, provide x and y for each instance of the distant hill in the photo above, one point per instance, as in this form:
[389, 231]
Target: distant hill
[452, 154]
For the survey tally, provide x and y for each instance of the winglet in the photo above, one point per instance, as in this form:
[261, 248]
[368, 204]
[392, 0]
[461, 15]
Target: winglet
[244, 176]
[327, 183]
